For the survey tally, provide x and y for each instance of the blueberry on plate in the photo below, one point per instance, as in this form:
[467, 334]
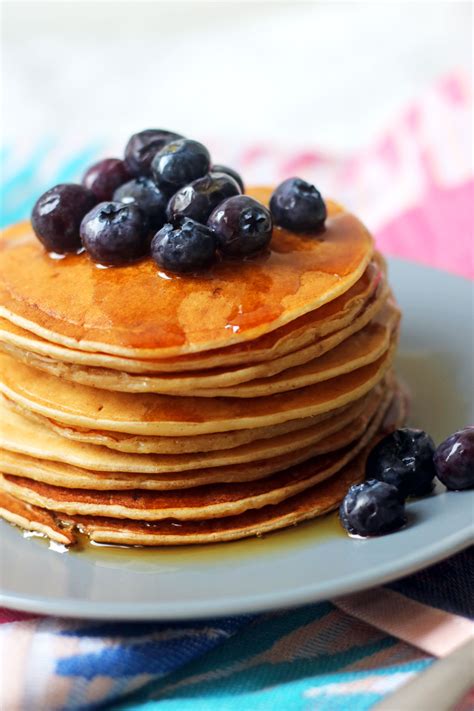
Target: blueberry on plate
[189, 247]
[57, 215]
[115, 233]
[404, 458]
[198, 199]
[142, 148]
[147, 196]
[104, 177]
[229, 171]
[296, 205]
[371, 509]
[454, 460]
[180, 162]
[242, 226]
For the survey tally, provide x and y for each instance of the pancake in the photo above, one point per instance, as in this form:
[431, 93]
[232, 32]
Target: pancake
[314, 501]
[197, 503]
[362, 342]
[250, 461]
[201, 502]
[151, 414]
[32, 518]
[76, 467]
[311, 503]
[331, 317]
[136, 444]
[73, 303]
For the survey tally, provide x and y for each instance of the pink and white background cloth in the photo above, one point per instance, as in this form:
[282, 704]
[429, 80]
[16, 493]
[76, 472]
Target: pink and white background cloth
[413, 186]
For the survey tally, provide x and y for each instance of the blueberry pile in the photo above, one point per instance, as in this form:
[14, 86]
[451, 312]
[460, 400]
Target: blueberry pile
[401, 465]
[167, 199]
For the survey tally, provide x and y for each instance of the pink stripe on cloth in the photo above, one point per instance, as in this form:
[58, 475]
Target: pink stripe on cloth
[467, 703]
[7, 616]
[413, 185]
[15, 647]
[437, 232]
[432, 630]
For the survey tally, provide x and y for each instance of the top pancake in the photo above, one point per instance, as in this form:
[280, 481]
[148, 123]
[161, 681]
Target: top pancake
[333, 316]
[137, 311]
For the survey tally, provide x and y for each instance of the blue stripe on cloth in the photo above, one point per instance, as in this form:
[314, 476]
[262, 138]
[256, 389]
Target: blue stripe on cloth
[449, 585]
[21, 175]
[162, 650]
[18, 189]
[28, 181]
[73, 168]
[324, 692]
[157, 658]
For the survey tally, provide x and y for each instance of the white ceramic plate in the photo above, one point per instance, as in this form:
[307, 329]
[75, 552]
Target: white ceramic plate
[311, 562]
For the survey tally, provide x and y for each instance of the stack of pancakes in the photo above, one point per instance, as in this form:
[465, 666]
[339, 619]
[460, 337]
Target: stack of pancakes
[140, 407]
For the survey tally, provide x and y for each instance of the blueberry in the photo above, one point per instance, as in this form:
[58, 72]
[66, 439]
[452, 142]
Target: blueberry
[180, 162]
[57, 215]
[142, 148]
[229, 171]
[189, 247]
[104, 177]
[147, 196]
[404, 459]
[298, 206]
[198, 199]
[372, 508]
[115, 233]
[454, 460]
[242, 226]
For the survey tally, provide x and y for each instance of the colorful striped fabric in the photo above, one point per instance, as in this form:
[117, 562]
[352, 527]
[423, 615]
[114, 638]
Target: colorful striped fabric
[316, 657]
[414, 187]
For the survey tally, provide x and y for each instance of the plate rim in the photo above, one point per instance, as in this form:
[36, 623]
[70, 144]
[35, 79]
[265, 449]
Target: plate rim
[250, 604]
